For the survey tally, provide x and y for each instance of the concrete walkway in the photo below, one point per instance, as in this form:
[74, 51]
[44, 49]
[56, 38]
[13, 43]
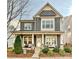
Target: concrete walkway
[36, 54]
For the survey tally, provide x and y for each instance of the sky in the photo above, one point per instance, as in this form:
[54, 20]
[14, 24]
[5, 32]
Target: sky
[63, 6]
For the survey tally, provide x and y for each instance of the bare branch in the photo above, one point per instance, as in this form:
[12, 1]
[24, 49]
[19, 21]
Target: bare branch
[15, 8]
[12, 11]
[15, 27]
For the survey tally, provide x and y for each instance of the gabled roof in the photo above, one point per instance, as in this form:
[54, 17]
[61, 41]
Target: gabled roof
[51, 7]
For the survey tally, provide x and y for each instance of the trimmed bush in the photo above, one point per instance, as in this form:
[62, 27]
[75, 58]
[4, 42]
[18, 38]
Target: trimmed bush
[30, 51]
[41, 53]
[50, 53]
[18, 46]
[69, 45]
[10, 49]
[56, 49]
[68, 50]
[45, 50]
[61, 52]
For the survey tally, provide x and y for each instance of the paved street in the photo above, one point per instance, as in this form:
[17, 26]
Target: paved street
[45, 58]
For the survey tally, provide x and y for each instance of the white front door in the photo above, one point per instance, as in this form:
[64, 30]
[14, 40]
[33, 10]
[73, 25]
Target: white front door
[38, 41]
[51, 41]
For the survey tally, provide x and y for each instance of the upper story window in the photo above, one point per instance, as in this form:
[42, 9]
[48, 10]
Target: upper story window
[27, 26]
[47, 24]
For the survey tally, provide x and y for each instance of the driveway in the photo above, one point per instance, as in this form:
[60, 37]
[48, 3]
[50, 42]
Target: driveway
[45, 58]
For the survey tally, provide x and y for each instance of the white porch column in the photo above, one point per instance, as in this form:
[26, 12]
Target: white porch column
[42, 38]
[32, 38]
[27, 39]
[61, 41]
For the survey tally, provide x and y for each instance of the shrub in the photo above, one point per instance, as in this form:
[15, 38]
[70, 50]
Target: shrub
[61, 52]
[50, 53]
[56, 49]
[69, 45]
[18, 46]
[30, 51]
[68, 50]
[10, 49]
[41, 53]
[45, 50]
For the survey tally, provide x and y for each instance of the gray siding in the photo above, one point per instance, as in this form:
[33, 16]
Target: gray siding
[22, 26]
[57, 24]
[38, 24]
[33, 26]
[58, 41]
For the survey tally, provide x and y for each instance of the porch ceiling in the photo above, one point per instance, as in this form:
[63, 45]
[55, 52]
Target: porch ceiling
[37, 32]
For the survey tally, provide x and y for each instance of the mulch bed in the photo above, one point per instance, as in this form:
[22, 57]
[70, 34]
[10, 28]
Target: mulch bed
[12, 54]
[55, 55]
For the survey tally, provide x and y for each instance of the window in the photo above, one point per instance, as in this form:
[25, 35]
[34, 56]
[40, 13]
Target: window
[27, 26]
[47, 24]
[51, 41]
[51, 23]
[43, 24]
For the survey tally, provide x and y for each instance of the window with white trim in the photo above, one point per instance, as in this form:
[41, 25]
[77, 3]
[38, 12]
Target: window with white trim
[47, 24]
[27, 26]
[51, 41]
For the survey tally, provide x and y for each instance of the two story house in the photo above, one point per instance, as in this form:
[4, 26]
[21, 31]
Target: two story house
[44, 29]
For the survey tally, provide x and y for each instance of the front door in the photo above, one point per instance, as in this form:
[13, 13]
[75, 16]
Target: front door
[38, 41]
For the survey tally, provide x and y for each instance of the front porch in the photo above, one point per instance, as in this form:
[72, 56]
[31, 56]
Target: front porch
[40, 40]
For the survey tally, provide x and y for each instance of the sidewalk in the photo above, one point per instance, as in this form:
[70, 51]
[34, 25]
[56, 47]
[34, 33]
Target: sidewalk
[45, 58]
[56, 58]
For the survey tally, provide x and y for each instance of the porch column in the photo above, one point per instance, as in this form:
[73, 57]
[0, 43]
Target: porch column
[27, 40]
[43, 39]
[61, 41]
[32, 38]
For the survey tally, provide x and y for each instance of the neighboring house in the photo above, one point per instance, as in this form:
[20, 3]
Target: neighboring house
[67, 29]
[44, 29]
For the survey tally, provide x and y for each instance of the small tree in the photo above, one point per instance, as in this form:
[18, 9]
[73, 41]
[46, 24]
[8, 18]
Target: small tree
[18, 46]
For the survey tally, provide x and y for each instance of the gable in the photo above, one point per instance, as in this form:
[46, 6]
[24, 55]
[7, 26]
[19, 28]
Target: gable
[48, 10]
[47, 7]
